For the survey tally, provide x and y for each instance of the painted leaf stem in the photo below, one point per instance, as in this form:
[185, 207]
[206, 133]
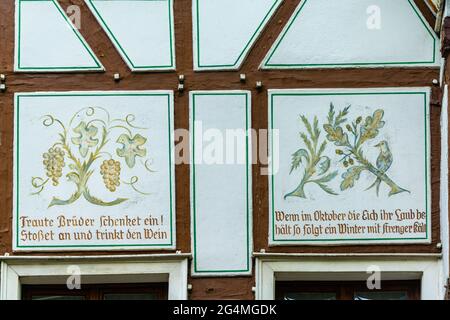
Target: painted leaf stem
[316, 165]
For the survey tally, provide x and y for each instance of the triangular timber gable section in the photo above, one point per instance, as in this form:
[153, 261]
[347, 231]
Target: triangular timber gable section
[141, 30]
[225, 31]
[340, 34]
[47, 41]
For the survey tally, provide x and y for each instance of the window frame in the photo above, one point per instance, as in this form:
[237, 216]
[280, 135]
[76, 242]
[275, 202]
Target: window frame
[47, 270]
[96, 291]
[426, 268]
[346, 290]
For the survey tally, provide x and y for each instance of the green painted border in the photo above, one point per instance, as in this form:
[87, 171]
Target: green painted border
[275, 242]
[122, 51]
[17, 168]
[267, 65]
[193, 195]
[98, 66]
[244, 51]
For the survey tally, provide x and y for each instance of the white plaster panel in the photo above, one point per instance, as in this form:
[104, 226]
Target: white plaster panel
[104, 157]
[46, 40]
[355, 33]
[315, 173]
[224, 31]
[142, 31]
[221, 205]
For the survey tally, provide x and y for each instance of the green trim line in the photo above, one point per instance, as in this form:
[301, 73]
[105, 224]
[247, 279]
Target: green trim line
[122, 51]
[272, 179]
[17, 163]
[268, 65]
[19, 67]
[237, 63]
[196, 270]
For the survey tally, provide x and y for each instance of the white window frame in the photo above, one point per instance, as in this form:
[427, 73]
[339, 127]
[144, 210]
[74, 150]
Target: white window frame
[334, 267]
[16, 271]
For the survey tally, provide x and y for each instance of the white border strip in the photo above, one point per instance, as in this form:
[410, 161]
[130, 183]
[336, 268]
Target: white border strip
[444, 185]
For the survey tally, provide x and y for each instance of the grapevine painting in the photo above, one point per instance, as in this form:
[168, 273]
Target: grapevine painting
[90, 138]
[349, 166]
[94, 170]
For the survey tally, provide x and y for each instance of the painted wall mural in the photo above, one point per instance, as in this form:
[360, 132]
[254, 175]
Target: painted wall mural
[221, 187]
[47, 41]
[101, 173]
[351, 166]
[366, 33]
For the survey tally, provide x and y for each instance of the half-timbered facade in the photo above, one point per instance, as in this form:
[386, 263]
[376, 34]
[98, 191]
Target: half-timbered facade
[211, 149]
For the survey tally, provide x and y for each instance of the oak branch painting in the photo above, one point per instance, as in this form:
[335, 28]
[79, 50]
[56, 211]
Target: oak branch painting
[91, 137]
[350, 138]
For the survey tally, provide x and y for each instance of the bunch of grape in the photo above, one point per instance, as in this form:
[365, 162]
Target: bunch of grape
[110, 170]
[54, 163]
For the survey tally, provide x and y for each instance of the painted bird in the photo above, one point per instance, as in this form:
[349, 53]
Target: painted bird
[384, 162]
